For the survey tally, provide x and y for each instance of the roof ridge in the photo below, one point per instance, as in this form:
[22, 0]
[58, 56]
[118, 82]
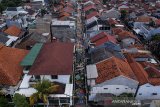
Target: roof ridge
[116, 62]
[1, 46]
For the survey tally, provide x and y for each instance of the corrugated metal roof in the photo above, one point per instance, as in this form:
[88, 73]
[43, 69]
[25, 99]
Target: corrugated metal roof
[30, 58]
[92, 71]
[3, 39]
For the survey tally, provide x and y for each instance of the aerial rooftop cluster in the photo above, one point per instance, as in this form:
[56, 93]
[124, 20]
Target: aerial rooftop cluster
[79, 53]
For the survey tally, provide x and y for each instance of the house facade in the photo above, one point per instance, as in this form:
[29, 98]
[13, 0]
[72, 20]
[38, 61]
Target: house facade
[57, 70]
[109, 77]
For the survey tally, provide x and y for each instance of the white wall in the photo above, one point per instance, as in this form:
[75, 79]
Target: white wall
[111, 89]
[95, 28]
[124, 85]
[91, 82]
[146, 91]
[114, 89]
[61, 78]
[121, 80]
[11, 13]
[88, 21]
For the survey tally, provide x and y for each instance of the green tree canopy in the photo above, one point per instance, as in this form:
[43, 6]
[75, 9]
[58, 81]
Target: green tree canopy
[9, 3]
[123, 14]
[1, 7]
[20, 100]
[43, 88]
[156, 37]
[3, 102]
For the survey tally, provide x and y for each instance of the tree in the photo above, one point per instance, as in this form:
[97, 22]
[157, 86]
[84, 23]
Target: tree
[56, 1]
[1, 8]
[156, 37]
[20, 100]
[3, 102]
[11, 4]
[151, 23]
[43, 89]
[123, 14]
[154, 45]
[43, 12]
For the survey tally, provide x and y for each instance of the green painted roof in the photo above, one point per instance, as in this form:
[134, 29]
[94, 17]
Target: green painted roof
[32, 55]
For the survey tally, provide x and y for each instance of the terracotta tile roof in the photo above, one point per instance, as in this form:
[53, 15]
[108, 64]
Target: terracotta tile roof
[157, 22]
[138, 55]
[68, 9]
[62, 3]
[116, 31]
[54, 58]
[138, 70]
[153, 75]
[146, 64]
[96, 1]
[154, 81]
[13, 31]
[126, 34]
[89, 7]
[69, 4]
[64, 14]
[94, 13]
[10, 69]
[138, 46]
[102, 38]
[58, 8]
[112, 21]
[153, 72]
[143, 19]
[113, 67]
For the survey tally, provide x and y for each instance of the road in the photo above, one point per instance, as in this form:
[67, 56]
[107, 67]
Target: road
[80, 86]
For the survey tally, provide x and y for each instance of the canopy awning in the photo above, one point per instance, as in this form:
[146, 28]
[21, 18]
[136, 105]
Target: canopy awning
[31, 56]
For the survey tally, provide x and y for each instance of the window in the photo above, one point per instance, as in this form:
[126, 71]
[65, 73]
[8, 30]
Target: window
[28, 47]
[104, 28]
[27, 68]
[154, 93]
[117, 88]
[126, 88]
[105, 88]
[140, 93]
[54, 76]
[37, 77]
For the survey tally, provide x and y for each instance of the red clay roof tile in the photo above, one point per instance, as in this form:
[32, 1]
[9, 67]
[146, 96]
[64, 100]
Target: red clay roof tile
[138, 70]
[116, 30]
[13, 31]
[10, 69]
[112, 21]
[113, 67]
[55, 58]
[125, 34]
[157, 22]
[143, 19]
[102, 38]
[89, 7]
[92, 14]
